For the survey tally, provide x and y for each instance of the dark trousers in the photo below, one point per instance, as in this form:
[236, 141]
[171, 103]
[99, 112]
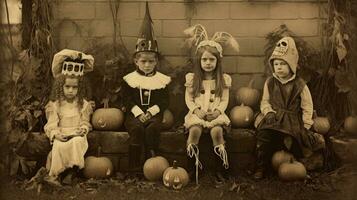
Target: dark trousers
[270, 141]
[144, 134]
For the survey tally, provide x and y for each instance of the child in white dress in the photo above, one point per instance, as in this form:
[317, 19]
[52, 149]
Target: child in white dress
[207, 94]
[68, 115]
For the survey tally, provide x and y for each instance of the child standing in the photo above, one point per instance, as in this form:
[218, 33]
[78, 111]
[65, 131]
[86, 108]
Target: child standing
[287, 108]
[145, 97]
[68, 115]
[207, 93]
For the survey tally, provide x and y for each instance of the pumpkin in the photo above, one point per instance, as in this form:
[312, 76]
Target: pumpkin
[241, 116]
[292, 171]
[350, 125]
[97, 167]
[279, 158]
[175, 177]
[167, 119]
[248, 95]
[154, 168]
[107, 119]
[321, 124]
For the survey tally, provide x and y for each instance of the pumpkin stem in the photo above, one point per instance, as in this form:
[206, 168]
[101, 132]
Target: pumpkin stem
[99, 151]
[291, 159]
[106, 102]
[174, 164]
[242, 105]
[251, 82]
[314, 114]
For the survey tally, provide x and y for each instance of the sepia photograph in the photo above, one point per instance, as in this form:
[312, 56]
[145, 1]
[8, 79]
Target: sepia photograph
[178, 99]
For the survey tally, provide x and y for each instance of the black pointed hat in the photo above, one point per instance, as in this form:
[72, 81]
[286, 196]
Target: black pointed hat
[146, 39]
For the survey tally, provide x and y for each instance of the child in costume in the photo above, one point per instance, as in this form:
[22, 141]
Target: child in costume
[68, 114]
[145, 97]
[287, 108]
[207, 93]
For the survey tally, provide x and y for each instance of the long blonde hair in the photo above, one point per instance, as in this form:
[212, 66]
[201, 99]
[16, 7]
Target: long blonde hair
[198, 72]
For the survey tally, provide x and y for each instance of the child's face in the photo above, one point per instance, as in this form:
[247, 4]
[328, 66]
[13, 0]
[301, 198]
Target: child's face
[70, 88]
[208, 62]
[282, 69]
[146, 62]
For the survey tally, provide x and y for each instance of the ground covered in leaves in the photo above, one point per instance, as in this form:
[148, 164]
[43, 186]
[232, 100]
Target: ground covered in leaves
[338, 184]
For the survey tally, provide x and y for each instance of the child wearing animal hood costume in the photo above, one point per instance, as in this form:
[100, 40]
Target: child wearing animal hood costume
[287, 108]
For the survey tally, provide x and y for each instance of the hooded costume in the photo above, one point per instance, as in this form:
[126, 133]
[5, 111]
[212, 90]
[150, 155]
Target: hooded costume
[291, 102]
[144, 93]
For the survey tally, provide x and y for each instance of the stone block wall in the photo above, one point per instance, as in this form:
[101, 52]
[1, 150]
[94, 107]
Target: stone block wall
[79, 23]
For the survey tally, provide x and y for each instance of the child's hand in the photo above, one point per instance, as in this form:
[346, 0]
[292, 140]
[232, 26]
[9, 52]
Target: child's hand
[61, 137]
[270, 118]
[148, 115]
[212, 115]
[200, 113]
[81, 132]
[142, 118]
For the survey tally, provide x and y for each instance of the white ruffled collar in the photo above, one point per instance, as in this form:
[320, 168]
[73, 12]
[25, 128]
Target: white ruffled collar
[157, 81]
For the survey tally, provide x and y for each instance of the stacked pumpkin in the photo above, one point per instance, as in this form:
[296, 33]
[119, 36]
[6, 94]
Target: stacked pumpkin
[104, 119]
[350, 124]
[242, 116]
[107, 119]
[97, 166]
[321, 124]
[287, 167]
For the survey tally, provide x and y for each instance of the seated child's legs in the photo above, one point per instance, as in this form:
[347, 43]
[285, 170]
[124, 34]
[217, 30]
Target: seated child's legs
[135, 129]
[152, 135]
[217, 135]
[194, 135]
[219, 148]
[268, 142]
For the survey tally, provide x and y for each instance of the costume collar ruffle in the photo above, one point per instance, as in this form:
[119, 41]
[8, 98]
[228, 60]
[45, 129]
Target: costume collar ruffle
[157, 81]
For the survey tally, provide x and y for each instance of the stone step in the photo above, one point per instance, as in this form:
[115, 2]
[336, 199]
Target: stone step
[345, 148]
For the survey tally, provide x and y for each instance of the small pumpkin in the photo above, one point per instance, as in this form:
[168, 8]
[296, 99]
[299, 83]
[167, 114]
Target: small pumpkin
[279, 158]
[350, 125]
[154, 168]
[97, 167]
[292, 171]
[107, 119]
[321, 124]
[248, 95]
[241, 116]
[175, 177]
[167, 119]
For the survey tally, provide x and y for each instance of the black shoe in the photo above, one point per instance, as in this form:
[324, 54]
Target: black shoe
[259, 174]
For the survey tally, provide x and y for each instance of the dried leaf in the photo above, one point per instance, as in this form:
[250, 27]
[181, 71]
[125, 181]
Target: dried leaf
[288, 142]
[37, 113]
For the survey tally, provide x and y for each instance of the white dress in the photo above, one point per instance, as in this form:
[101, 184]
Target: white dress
[207, 102]
[65, 118]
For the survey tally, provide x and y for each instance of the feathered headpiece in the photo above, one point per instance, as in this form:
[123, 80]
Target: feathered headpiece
[198, 37]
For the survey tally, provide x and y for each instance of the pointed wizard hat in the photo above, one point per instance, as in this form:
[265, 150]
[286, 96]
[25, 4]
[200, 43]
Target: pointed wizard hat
[146, 39]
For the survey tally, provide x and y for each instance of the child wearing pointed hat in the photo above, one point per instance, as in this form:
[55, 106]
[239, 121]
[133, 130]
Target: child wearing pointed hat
[68, 115]
[145, 97]
[287, 108]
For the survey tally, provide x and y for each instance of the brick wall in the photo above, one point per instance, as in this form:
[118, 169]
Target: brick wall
[79, 22]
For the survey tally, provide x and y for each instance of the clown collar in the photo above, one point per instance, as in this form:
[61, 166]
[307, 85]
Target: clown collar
[138, 80]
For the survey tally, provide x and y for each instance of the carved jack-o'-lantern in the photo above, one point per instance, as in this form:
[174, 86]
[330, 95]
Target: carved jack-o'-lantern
[175, 177]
